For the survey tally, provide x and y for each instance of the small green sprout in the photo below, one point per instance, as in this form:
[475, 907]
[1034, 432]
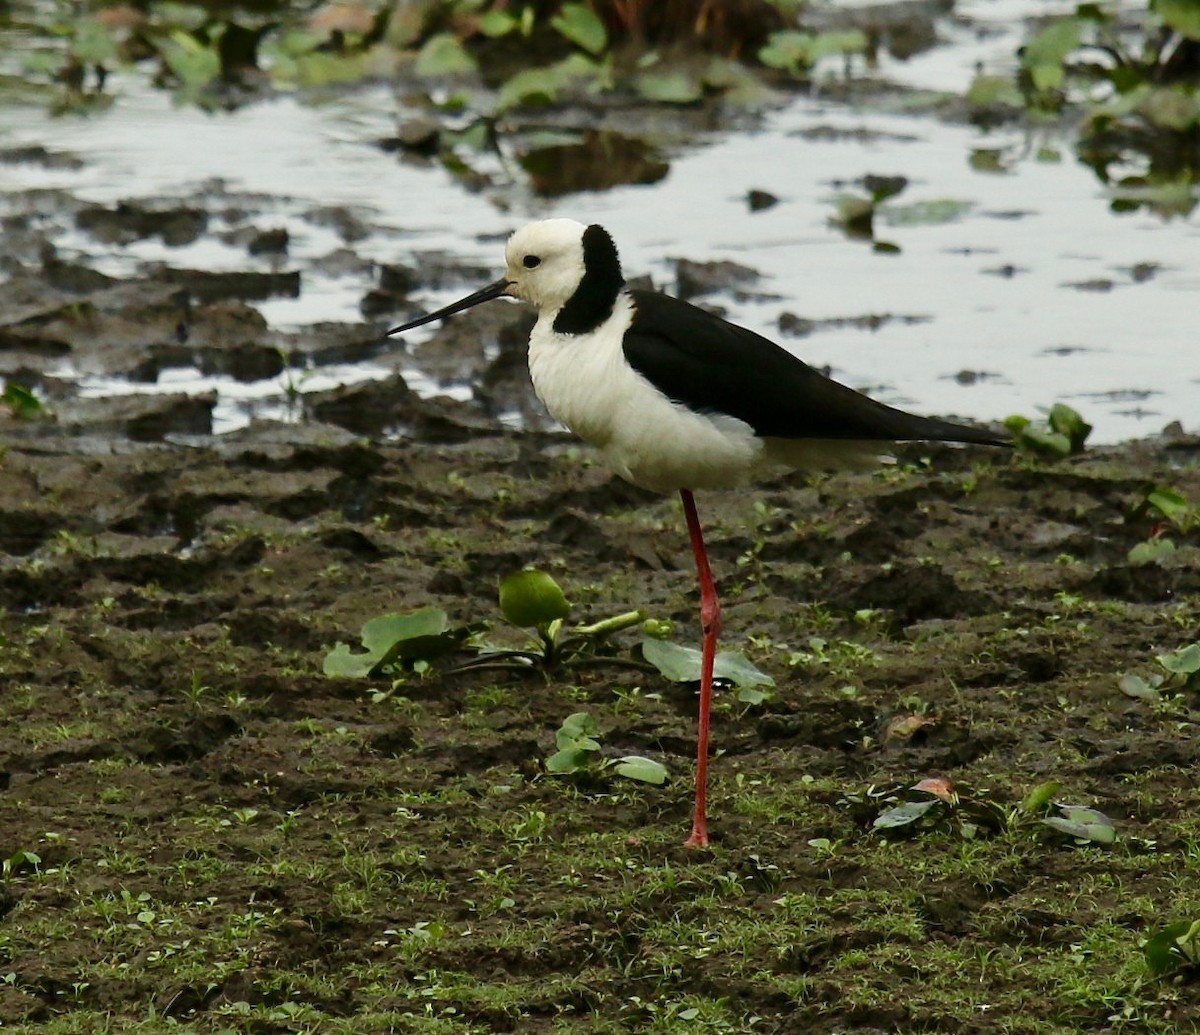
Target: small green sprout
[1181, 671]
[1064, 433]
[578, 750]
[21, 402]
[1169, 510]
[1174, 947]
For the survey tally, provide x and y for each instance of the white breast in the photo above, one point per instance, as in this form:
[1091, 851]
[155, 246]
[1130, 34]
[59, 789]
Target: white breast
[645, 438]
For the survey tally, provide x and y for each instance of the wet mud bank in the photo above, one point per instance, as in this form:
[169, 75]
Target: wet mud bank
[195, 790]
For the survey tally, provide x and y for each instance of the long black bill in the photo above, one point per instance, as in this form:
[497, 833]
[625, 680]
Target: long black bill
[484, 295]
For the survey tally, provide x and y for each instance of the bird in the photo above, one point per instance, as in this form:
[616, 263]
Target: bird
[678, 399]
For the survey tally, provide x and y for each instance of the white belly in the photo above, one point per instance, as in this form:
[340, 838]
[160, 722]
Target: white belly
[645, 438]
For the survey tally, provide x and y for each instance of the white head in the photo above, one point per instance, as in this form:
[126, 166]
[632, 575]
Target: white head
[558, 265]
[545, 262]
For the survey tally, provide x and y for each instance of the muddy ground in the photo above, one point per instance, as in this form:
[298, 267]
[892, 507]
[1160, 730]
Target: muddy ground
[202, 832]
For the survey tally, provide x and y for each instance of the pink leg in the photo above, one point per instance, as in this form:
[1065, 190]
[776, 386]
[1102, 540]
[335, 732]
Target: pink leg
[710, 621]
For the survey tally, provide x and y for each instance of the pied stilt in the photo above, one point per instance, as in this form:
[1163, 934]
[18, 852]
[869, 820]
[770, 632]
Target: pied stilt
[677, 399]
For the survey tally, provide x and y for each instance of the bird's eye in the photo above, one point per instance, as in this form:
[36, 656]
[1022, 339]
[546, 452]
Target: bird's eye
[531, 262]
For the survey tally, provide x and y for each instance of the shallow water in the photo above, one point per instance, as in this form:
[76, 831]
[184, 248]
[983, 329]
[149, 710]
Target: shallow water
[1030, 286]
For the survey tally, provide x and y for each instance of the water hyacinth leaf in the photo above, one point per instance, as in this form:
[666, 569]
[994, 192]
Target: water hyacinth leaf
[380, 635]
[568, 760]
[988, 91]
[903, 815]
[1083, 824]
[751, 695]
[1176, 945]
[342, 663]
[799, 51]
[670, 88]
[534, 86]
[1182, 662]
[93, 44]
[1045, 54]
[388, 638]
[532, 598]
[646, 770]
[189, 59]
[1151, 551]
[442, 54]
[1067, 421]
[579, 729]
[1174, 507]
[1138, 688]
[581, 25]
[787, 50]
[682, 664]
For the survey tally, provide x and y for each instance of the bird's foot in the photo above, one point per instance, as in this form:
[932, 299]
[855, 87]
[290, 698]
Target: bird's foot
[699, 836]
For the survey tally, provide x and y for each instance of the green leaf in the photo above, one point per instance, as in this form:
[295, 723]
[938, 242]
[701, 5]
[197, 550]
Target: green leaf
[1182, 662]
[1181, 15]
[987, 91]
[576, 743]
[1151, 551]
[644, 769]
[341, 663]
[1042, 440]
[568, 760]
[1045, 54]
[194, 63]
[787, 50]
[751, 695]
[799, 51]
[93, 43]
[1138, 688]
[1083, 824]
[390, 638]
[682, 664]
[1040, 797]
[1174, 507]
[441, 55]
[543, 85]
[581, 25]
[532, 598]
[1176, 945]
[1067, 421]
[578, 729]
[497, 24]
[903, 815]
[21, 401]
[670, 88]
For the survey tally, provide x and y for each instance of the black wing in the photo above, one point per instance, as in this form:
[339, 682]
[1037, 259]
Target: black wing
[713, 366]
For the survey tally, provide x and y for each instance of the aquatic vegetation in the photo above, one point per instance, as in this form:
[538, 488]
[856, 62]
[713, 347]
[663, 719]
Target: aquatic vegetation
[1063, 434]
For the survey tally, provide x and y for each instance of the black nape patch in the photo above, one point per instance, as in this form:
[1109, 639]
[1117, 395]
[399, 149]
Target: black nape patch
[598, 289]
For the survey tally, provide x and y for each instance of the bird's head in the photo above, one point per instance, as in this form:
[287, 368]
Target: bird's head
[546, 262]
[549, 262]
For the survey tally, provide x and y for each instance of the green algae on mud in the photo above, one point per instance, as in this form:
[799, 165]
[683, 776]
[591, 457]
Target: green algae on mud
[228, 840]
